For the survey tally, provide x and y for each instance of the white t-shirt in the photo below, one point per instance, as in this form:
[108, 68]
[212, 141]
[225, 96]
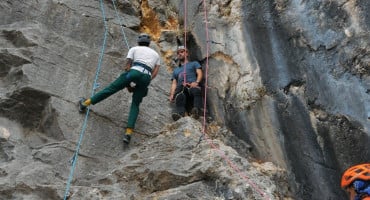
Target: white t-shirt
[145, 55]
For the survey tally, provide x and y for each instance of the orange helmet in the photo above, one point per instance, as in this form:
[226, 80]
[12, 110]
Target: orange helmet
[361, 172]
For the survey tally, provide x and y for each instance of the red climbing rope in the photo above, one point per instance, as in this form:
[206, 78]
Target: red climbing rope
[206, 70]
[185, 38]
[220, 152]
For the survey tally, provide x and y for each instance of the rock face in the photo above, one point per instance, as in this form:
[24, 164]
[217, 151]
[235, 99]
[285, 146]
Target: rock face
[291, 78]
[311, 108]
[287, 99]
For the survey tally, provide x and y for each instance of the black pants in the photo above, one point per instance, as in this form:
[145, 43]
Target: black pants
[187, 98]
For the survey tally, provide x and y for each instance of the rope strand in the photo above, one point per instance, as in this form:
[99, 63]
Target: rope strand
[121, 25]
[206, 71]
[185, 38]
[220, 152]
[83, 130]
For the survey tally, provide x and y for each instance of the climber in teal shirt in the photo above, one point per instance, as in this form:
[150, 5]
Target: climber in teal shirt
[185, 88]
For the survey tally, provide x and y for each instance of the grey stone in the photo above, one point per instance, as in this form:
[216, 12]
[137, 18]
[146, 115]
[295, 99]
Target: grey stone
[288, 83]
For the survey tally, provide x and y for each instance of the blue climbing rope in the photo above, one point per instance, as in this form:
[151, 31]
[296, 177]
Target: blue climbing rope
[121, 25]
[75, 156]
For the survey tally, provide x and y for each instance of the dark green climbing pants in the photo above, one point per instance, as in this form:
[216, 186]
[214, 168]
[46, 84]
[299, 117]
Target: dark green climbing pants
[142, 82]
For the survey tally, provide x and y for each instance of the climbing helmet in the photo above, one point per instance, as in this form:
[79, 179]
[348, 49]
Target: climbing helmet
[143, 38]
[357, 172]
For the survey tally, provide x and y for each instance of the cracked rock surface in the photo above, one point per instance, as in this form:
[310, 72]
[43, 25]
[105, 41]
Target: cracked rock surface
[287, 99]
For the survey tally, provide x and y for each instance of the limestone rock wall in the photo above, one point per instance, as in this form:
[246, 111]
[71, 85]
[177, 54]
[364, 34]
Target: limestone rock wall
[292, 80]
[49, 54]
[287, 84]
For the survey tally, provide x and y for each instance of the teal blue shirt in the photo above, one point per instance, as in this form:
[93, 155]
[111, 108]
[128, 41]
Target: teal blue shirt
[190, 70]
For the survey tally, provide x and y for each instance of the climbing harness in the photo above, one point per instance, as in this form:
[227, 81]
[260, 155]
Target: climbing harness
[74, 158]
